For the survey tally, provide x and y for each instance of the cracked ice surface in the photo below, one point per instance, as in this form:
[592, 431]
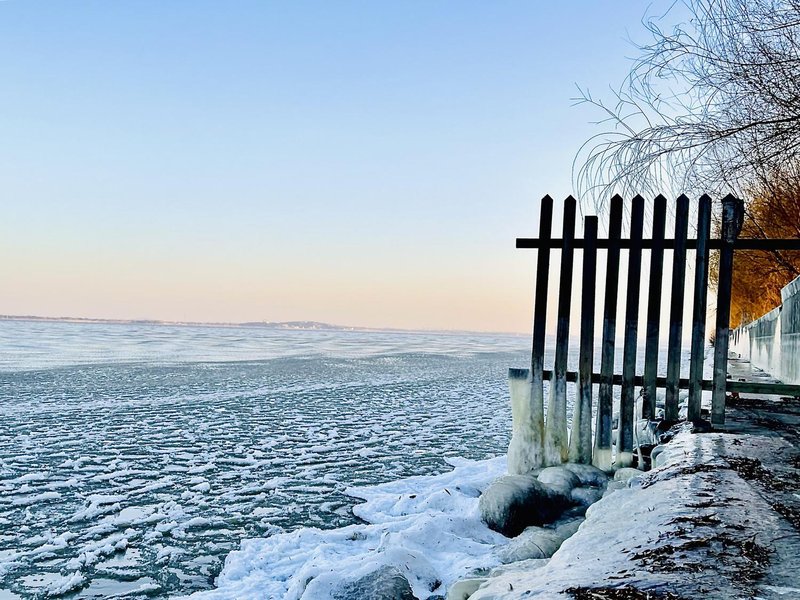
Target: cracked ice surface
[133, 459]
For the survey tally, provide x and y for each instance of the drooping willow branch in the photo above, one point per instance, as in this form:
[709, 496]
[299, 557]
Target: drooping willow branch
[710, 106]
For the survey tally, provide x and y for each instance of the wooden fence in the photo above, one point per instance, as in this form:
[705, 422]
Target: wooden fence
[556, 437]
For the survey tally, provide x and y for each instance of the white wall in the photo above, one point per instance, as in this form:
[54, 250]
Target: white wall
[772, 343]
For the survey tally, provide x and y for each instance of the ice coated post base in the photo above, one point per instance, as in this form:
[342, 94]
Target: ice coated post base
[580, 441]
[555, 429]
[624, 459]
[601, 458]
[526, 450]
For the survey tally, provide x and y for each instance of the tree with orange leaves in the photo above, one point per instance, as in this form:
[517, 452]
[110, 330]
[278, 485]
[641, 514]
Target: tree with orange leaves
[772, 211]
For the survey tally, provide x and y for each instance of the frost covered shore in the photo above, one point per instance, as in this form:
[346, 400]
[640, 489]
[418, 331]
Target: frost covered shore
[695, 525]
[714, 518]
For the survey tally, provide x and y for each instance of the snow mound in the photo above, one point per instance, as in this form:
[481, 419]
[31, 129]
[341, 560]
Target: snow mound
[428, 527]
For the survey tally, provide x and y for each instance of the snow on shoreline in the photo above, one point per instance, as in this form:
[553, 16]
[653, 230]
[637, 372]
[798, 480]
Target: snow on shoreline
[429, 526]
[693, 523]
[692, 527]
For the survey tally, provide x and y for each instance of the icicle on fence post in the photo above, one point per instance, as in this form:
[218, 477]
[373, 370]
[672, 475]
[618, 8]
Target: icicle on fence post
[654, 308]
[526, 452]
[676, 310]
[556, 443]
[731, 223]
[580, 443]
[700, 305]
[627, 399]
[602, 446]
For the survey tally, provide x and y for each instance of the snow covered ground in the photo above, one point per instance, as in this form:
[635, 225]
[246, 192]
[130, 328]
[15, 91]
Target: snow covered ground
[702, 524]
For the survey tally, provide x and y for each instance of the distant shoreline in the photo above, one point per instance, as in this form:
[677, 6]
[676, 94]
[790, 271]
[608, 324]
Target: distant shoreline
[278, 325]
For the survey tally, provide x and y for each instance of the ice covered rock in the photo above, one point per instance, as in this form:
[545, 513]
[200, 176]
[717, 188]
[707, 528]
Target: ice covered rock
[514, 502]
[463, 589]
[587, 474]
[586, 496]
[559, 478]
[613, 486]
[523, 566]
[626, 473]
[537, 542]
[387, 583]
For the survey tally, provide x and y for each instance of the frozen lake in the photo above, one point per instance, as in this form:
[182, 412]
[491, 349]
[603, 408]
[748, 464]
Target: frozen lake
[133, 458]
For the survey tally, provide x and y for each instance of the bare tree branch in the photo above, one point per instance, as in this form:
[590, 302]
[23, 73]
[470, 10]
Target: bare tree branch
[712, 104]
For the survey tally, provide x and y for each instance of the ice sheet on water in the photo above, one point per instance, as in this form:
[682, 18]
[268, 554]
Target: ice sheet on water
[185, 460]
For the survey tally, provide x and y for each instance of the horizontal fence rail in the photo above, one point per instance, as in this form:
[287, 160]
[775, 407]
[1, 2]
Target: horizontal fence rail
[739, 387]
[666, 244]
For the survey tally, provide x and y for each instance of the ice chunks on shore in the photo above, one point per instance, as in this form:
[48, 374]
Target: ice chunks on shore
[429, 526]
[515, 502]
[560, 479]
[587, 474]
[538, 542]
[386, 583]
[462, 590]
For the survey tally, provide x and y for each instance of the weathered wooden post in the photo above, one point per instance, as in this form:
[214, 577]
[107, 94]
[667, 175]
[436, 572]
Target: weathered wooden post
[602, 446]
[580, 443]
[535, 454]
[731, 223]
[556, 443]
[676, 310]
[654, 308]
[626, 416]
[700, 305]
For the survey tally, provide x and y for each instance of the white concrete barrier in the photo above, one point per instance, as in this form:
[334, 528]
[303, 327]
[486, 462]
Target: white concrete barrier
[772, 342]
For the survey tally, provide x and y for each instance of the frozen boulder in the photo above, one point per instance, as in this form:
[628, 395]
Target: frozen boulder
[537, 542]
[586, 496]
[559, 478]
[587, 474]
[514, 502]
[626, 473]
[463, 589]
[613, 486]
[387, 583]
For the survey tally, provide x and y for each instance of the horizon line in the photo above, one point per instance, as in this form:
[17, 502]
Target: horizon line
[295, 325]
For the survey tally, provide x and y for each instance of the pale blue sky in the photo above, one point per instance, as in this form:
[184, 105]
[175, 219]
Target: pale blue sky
[363, 163]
